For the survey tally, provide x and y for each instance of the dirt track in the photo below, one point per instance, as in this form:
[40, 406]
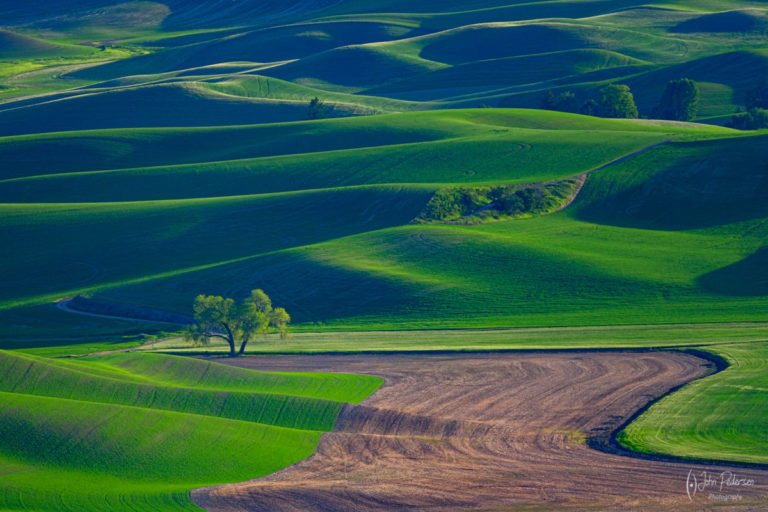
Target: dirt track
[486, 432]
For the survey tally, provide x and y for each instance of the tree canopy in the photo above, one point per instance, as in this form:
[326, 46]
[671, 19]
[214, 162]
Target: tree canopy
[617, 101]
[235, 323]
[680, 101]
[589, 108]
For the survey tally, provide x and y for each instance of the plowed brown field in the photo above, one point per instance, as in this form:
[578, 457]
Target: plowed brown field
[490, 432]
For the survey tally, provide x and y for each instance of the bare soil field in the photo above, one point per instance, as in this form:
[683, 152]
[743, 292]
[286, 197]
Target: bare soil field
[491, 432]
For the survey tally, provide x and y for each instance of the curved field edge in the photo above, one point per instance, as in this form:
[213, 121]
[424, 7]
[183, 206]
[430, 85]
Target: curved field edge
[138, 431]
[720, 418]
[689, 422]
[539, 429]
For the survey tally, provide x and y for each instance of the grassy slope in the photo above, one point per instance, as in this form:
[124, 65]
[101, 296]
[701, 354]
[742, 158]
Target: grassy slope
[687, 249]
[486, 158]
[636, 272]
[721, 417]
[276, 44]
[79, 265]
[514, 71]
[50, 331]
[142, 147]
[153, 105]
[172, 228]
[186, 233]
[469, 40]
[683, 186]
[521, 338]
[131, 431]
[19, 46]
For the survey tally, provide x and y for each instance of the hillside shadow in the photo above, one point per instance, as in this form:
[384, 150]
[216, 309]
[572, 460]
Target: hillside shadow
[312, 290]
[733, 21]
[483, 43]
[681, 187]
[745, 278]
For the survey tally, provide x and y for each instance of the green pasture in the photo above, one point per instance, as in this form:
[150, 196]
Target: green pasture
[362, 60]
[131, 432]
[538, 156]
[340, 219]
[721, 417]
[619, 337]
[679, 254]
[98, 150]
[190, 232]
[154, 151]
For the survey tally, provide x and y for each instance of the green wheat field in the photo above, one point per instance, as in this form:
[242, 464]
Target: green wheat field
[151, 151]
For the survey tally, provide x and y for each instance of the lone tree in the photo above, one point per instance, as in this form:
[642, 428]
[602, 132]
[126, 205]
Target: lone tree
[237, 324]
[316, 109]
[680, 101]
[616, 101]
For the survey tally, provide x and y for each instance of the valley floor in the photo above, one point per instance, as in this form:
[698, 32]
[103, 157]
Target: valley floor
[489, 432]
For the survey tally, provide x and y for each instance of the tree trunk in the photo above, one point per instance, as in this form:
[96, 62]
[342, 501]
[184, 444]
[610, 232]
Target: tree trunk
[230, 340]
[242, 346]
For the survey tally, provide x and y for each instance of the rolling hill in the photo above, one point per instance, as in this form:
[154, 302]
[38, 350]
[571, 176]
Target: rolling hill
[345, 213]
[107, 431]
[151, 151]
[267, 45]
[19, 46]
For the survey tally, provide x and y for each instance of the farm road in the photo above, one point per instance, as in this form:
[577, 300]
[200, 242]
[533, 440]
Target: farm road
[487, 432]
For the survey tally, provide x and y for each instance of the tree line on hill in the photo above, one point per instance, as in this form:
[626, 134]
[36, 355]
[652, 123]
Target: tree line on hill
[472, 205]
[679, 102]
[613, 100]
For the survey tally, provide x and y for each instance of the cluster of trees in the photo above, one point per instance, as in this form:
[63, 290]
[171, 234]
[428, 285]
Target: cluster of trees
[612, 100]
[477, 203]
[564, 102]
[452, 203]
[235, 323]
[756, 106]
[679, 102]
[530, 200]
